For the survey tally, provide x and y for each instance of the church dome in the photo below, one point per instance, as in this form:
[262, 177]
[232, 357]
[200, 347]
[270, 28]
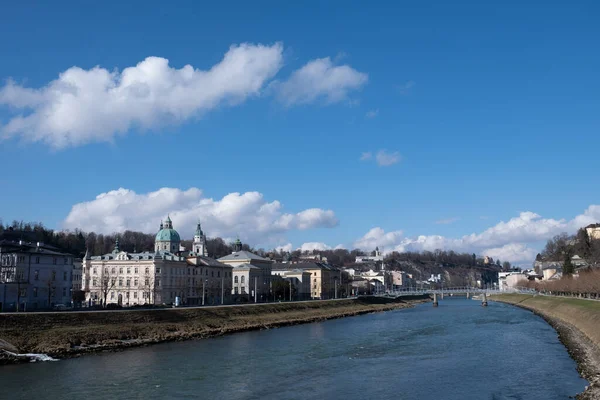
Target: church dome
[167, 235]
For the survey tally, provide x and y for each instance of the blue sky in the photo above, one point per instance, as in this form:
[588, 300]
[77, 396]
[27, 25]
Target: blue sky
[491, 109]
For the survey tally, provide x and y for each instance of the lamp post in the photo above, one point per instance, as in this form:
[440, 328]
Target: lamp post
[203, 291]
[222, 283]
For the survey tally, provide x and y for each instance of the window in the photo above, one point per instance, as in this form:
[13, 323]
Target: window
[113, 270]
[64, 291]
[64, 275]
[127, 294]
[207, 272]
[135, 295]
[218, 274]
[36, 275]
[37, 260]
[120, 281]
[135, 282]
[158, 270]
[147, 282]
[158, 282]
[147, 270]
[128, 282]
[243, 279]
[23, 292]
[315, 281]
[235, 290]
[94, 282]
[212, 273]
[128, 270]
[112, 295]
[243, 290]
[53, 275]
[106, 270]
[135, 270]
[34, 292]
[121, 270]
[188, 271]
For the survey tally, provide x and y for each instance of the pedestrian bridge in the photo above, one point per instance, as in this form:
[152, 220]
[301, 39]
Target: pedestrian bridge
[463, 290]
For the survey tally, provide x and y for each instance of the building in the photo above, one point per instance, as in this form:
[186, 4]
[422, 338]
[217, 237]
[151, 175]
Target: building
[593, 231]
[251, 274]
[299, 280]
[376, 256]
[34, 276]
[165, 276]
[401, 280]
[325, 279]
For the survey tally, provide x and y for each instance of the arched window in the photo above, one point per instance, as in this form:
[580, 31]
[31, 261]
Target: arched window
[243, 279]
[235, 279]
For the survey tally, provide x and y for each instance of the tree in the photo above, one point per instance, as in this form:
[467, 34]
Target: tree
[568, 267]
[506, 266]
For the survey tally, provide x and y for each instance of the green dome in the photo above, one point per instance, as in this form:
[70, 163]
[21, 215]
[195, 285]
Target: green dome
[167, 235]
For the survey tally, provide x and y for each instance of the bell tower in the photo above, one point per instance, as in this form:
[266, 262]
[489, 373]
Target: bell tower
[199, 245]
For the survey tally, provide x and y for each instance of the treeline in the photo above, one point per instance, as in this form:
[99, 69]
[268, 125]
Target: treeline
[587, 285]
[562, 247]
[77, 242]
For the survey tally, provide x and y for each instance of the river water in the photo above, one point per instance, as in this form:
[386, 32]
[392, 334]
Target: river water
[459, 350]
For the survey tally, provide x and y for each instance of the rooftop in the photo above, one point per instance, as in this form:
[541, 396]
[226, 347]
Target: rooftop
[242, 255]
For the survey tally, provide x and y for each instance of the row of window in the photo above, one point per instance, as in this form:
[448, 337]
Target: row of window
[113, 282]
[36, 275]
[23, 292]
[113, 270]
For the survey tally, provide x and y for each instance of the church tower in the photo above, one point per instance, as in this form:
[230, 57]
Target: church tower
[199, 245]
[167, 238]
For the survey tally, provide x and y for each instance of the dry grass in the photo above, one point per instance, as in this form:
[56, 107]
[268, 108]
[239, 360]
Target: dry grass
[61, 334]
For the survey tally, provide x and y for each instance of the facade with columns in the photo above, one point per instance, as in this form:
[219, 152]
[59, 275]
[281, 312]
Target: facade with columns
[157, 277]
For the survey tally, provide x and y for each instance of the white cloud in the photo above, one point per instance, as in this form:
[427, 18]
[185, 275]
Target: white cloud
[377, 237]
[385, 158]
[83, 106]
[372, 113]
[405, 87]
[248, 215]
[509, 241]
[312, 246]
[366, 156]
[286, 248]
[319, 79]
[447, 221]
[512, 252]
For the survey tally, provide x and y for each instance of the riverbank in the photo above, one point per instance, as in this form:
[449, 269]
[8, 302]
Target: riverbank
[68, 334]
[577, 322]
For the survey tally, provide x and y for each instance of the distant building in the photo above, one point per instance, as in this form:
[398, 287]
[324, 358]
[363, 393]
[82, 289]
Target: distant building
[376, 257]
[299, 279]
[251, 274]
[324, 278]
[401, 279]
[593, 231]
[34, 276]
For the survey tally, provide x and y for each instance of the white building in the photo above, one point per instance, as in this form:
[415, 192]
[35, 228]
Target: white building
[34, 276]
[377, 257]
[158, 277]
[251, 274]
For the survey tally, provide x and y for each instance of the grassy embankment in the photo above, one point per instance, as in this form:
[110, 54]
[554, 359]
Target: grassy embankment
[70, 333]
[577, 322]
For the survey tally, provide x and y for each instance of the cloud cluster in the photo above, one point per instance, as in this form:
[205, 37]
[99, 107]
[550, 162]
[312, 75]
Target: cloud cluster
[510, 241]
[319, 79]
[383, 158]
[93, 105]
[248, 214]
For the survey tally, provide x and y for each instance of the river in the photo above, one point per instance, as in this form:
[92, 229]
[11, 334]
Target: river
[459, 350]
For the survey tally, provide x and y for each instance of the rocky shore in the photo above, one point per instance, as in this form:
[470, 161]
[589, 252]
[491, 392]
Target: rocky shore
[577, 322]
[69, 334]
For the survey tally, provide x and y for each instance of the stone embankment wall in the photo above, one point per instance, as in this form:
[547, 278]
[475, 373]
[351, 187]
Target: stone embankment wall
[66, 334]
[577, 322]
